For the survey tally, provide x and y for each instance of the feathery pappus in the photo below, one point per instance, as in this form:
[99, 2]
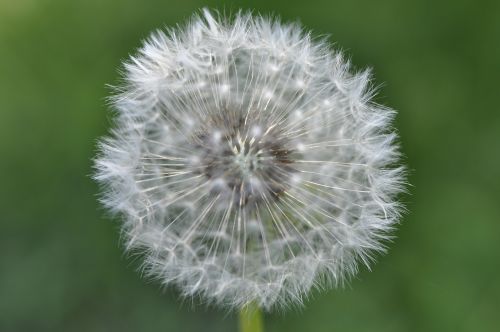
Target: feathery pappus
[248, 162]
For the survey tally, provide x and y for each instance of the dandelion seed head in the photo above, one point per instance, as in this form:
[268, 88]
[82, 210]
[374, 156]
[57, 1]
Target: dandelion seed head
[248, 162]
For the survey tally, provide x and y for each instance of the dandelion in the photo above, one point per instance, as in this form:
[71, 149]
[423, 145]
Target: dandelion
[248, 162]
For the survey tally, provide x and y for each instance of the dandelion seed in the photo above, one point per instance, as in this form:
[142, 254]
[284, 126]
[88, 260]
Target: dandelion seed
[248, 162]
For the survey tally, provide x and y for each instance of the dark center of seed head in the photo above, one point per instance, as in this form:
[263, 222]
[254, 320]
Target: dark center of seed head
[246, 164]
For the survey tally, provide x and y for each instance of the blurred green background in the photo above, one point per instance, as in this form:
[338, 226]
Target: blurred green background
[61, 263]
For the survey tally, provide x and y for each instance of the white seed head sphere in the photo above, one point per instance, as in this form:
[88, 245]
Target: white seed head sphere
[248, 162]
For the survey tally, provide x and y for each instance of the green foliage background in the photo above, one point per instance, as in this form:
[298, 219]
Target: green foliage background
[61, 264]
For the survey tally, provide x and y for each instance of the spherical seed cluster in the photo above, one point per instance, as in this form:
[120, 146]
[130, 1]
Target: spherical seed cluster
[248, 162]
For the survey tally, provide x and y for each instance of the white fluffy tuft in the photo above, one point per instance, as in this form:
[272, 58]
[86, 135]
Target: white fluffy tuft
[248, 162]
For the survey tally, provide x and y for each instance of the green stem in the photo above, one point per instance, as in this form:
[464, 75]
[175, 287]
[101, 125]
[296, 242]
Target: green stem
[251, 319]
